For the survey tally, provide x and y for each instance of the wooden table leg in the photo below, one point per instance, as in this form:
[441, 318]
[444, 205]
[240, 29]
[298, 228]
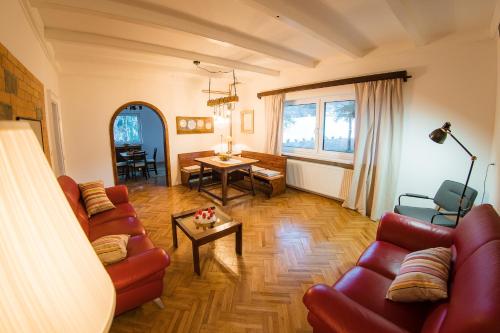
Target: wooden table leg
[200, 180]
[196, 259]
[224, 187]
[239, 240]
[174, 232]
[250, 174]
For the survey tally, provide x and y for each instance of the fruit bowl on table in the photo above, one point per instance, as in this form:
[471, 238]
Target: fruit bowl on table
[224, 157]
[205, 218]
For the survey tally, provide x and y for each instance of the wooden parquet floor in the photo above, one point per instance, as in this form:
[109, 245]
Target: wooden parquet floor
[290, 242]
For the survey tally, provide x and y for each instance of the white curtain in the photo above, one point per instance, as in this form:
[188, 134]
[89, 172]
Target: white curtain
[379, 121]
[274, 120]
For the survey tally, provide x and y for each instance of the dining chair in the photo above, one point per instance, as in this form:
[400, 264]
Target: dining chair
[123, 169]
[151, 162]
[138, 162]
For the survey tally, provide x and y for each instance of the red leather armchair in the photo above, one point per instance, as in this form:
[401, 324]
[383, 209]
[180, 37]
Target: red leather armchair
[356, 302]
[139, 278]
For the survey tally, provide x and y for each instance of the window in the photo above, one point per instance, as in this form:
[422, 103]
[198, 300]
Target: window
[299, 125]
[320, 128]
[338, 133]
[127, 129]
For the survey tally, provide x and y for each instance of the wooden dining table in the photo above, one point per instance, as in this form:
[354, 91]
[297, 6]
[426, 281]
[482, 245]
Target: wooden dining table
[129, 154]
[225, 168]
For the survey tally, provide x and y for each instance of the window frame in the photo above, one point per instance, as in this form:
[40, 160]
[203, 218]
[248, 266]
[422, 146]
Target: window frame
[318, 152]
[139, 122]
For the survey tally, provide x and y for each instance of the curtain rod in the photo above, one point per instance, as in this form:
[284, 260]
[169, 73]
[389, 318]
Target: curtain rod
[340, 82]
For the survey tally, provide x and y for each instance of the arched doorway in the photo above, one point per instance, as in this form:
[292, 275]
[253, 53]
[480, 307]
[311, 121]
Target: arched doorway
[166, 150]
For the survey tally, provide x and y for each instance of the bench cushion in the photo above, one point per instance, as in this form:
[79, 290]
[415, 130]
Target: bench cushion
[368, 288]
[195, 169]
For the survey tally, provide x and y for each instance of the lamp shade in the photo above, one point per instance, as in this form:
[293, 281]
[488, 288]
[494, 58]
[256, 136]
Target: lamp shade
[439, 135]
[51, 279]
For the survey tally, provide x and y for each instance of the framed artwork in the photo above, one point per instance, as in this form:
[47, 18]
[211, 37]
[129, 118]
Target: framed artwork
[247, 121]
[36, 126]
[194, 125]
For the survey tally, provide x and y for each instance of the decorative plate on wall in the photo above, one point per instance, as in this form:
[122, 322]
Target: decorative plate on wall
[194, 125]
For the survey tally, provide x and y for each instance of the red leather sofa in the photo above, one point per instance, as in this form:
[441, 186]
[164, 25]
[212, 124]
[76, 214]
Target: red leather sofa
[356, 302]
[139, 278]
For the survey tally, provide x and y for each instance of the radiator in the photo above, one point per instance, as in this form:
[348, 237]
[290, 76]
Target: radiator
[346, 184]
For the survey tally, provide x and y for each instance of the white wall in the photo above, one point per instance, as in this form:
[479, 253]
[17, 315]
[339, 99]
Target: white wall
[19, 37]
[453, 80]
[91, 99]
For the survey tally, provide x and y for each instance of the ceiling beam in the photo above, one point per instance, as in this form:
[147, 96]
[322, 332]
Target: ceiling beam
[148, 14]
[130, 45]
[319, 21]
[406, 17]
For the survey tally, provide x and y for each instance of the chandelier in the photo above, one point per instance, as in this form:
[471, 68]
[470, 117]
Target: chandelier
[221, 106]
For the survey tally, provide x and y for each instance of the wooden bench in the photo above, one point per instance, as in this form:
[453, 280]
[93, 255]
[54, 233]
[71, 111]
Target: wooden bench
[187, 165]
[271, 185]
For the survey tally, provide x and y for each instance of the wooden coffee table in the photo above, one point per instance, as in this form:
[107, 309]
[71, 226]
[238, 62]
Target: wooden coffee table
[223, 227]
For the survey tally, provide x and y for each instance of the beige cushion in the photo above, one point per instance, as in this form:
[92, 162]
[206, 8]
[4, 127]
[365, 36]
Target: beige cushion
[423, 276]
[95, 197]
[195, 168]
[192, 168]
[111, 249]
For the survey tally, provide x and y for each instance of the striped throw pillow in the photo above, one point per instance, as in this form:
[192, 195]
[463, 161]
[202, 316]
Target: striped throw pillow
[95, 197]
[111, 249]
[423, 276]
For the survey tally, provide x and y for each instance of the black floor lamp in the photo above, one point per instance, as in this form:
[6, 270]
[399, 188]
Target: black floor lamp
[439, 136]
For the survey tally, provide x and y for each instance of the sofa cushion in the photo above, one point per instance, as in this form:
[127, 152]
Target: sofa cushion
[368, 288]
[125, 225]
[423, 276]
[111, 249]
[95, 197]
[143, 262]
[383, 258]
[121, 210]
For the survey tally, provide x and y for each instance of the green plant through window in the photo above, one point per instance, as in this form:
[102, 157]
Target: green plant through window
[127, 129]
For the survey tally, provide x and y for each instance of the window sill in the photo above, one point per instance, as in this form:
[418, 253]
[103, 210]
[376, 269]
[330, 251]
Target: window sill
[345, 165]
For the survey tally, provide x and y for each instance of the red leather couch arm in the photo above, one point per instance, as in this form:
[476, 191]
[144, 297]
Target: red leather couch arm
[341, 314]
[412, 234]
[117, 194]
[136, 268]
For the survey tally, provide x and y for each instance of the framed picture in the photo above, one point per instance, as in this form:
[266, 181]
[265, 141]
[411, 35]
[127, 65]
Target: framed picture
[247, 121]
[194, 125]
[36, 126]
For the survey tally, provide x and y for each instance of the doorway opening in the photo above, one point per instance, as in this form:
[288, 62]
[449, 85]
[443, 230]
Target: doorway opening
[139, 145]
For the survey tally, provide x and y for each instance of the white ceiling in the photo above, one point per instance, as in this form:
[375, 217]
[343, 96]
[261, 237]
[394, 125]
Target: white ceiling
[256, 36]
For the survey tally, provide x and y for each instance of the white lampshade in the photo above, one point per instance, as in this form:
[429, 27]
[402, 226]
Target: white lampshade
[50, 277]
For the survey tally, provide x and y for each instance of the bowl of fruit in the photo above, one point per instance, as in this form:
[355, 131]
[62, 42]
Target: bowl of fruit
[224, 157]
[205, 218]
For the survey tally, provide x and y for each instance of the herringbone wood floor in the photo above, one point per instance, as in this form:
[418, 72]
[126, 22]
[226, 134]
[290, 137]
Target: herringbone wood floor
[290, 242]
